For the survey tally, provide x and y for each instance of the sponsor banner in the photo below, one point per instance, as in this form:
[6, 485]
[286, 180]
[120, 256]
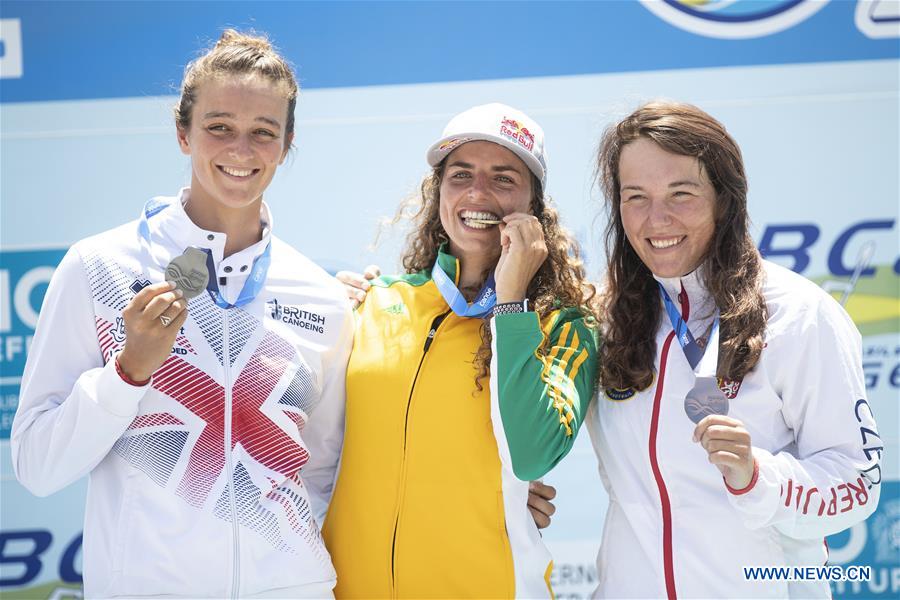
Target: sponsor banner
[24, 275]
[40, 539]
[875, 542]
[58, 55]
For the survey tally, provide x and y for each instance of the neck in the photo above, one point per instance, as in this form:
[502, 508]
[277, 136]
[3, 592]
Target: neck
[241, 226]
[472, 273]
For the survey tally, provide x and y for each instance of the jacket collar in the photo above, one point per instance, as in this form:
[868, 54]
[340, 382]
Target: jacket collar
[172, 231]
[692, 285]
[448, 263]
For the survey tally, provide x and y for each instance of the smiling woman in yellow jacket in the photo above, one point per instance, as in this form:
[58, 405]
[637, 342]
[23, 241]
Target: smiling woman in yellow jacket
[470, 375]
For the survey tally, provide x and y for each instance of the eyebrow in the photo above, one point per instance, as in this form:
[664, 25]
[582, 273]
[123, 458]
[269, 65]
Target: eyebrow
[687, 182]
[228, 115]
[674, 184]
[495, 168]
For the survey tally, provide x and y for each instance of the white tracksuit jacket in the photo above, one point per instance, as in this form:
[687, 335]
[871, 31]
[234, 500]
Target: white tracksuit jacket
[201, 482]
[673, 529]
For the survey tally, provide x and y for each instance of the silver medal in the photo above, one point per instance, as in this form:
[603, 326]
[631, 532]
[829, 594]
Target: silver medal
[705, 399]
[189, 272]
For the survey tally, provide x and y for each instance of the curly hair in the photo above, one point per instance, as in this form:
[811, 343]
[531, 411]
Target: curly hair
[560, 281]
[732, 267]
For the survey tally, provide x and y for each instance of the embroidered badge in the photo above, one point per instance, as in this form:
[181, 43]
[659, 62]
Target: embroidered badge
[619, 395]
[729, 387]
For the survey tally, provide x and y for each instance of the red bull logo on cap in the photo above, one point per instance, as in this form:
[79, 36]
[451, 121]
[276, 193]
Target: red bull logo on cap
[516, 131]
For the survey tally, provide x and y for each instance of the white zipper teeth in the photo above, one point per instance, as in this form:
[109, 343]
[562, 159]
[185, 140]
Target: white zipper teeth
[236, 561]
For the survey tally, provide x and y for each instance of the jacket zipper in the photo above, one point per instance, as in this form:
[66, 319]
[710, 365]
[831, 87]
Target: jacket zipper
[235, 526]
[432, 332]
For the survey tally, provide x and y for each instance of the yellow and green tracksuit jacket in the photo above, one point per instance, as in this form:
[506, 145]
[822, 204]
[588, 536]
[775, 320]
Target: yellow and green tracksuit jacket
[431, 497]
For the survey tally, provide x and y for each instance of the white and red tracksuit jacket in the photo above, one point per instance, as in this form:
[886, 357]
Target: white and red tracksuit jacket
[201, 482]
[673, 528]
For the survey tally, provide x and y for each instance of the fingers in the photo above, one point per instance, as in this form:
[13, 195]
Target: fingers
[168, 301]
[523, 231]
[540, 519]
[539, 496]
[718, 421]
[511, 236]
[357, 284]
[546, 507]
[542, 489]
[372, 271]
[173, 312]
[179, 320]
[719, 433]
[735, 456]
[142, 298]
[357, 281]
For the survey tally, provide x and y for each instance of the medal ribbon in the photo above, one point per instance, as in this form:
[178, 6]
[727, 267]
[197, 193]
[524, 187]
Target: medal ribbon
[252, 286]
[482, 305]
[693, 351]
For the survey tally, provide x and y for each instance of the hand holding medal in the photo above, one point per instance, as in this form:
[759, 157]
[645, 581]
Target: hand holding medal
[153, 319]
[523, 251]
[729, 447]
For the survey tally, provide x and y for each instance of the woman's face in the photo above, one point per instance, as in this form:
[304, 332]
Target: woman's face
[668, 207]
[481, 180]
[236, 139]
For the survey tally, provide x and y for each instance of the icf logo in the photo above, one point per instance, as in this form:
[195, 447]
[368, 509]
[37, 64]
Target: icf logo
[734, 19]
[878, 18]
[24, 275]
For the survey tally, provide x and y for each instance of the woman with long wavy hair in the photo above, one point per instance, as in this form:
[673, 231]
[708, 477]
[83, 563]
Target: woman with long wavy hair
[470, 374]
[711, 354]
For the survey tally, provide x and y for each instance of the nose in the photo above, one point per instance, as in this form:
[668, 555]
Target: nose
[658, 213]
[478, 190]
[241, 149]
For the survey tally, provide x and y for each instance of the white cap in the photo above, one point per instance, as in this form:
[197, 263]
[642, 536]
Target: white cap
[500, 124]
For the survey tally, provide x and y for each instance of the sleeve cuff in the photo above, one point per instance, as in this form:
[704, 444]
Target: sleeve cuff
[749, 486]
[115, 395]
[525, 322]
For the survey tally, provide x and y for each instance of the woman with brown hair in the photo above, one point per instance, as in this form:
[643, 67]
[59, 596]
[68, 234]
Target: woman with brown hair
[712, 355]
[171, 365]
[470, 374]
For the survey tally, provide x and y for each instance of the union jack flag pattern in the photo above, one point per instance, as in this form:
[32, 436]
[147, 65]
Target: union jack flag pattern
[179, 438]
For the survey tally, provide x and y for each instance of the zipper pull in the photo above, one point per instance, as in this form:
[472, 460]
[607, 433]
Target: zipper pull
[433, 331]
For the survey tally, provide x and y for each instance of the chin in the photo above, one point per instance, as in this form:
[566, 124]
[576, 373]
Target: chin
[666, 271]
[238, 201]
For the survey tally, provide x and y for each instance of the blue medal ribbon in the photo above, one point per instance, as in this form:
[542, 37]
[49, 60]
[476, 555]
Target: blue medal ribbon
[693, 351]
[482, 305]
[252, 286]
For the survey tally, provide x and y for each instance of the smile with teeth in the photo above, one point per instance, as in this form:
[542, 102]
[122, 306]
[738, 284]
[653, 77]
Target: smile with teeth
[479, 219]
[235, 172]
[662, 243]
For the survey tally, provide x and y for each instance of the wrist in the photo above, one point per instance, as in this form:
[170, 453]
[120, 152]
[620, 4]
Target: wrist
[737, 491]
[510, 293]
[130, 375]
